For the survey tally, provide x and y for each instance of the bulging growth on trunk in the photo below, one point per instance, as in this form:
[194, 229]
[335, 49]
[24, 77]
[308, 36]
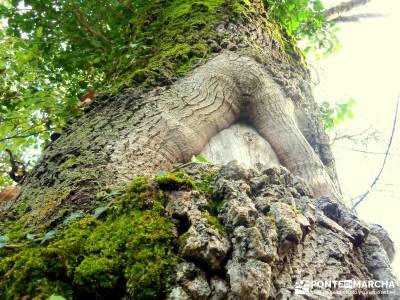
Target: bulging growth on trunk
[211, 99]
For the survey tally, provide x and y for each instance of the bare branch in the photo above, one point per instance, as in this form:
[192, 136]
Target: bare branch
[356, 18]
[362, 197]
[362, 137]
[344, 7]
[367, 152]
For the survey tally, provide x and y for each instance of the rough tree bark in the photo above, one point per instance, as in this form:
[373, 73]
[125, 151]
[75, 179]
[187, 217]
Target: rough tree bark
[274, 229]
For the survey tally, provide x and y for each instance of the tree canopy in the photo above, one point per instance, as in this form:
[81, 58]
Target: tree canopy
[53, 52]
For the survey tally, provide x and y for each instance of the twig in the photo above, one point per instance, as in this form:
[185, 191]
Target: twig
[18, 135]
[362, 197]
[336, 11]
[85, 23]
[356, 18]
[367, 152]
[355, 137]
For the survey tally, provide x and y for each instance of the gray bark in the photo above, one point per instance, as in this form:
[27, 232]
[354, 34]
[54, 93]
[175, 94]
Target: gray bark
[277, 240]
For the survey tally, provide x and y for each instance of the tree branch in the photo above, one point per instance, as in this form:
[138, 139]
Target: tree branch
[362, 197]
[367, 152]
[356, 18]
[84, 22]
[22, 135]
[344, 7]
[362, 137]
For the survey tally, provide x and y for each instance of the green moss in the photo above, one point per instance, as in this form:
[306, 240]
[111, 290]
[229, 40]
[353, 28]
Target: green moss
[295, 210]
[184, 237]
[175, 181]
[28, 273]
[168, 39]
[171, 37]
[131, 249]
[77, 166]
[214, 223]
[69, 163]
[241, 8]
[206, 183]
[98, 272]
[215, 205]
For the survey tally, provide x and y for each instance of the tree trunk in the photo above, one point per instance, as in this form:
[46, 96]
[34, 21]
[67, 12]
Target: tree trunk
[270, 230]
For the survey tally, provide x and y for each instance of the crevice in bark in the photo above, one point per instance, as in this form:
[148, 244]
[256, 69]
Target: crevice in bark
[255, 268]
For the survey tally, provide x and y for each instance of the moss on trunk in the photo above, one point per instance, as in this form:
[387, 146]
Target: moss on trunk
[126, 247]
[171, 37]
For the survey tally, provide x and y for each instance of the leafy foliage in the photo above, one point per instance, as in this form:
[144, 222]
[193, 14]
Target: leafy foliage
[334, 115]
[305, 20]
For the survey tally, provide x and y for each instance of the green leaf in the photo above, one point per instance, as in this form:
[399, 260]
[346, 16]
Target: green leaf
[39, 32]
[334, 115]
[30, 236]
[73, 217]
[202, 159]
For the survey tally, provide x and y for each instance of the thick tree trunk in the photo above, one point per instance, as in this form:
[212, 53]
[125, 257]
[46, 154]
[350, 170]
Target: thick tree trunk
[253, 78]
